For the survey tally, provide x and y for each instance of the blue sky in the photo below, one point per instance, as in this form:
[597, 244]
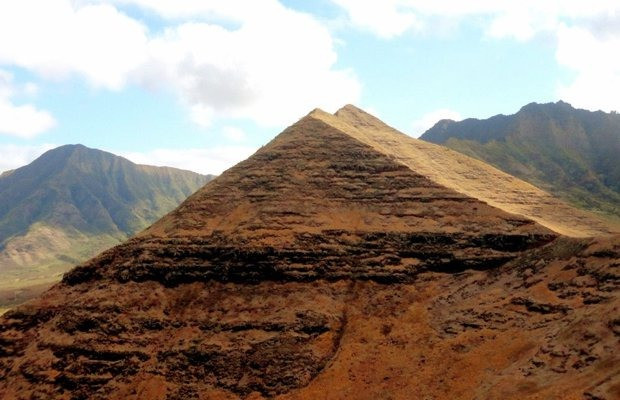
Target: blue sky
[201, 84]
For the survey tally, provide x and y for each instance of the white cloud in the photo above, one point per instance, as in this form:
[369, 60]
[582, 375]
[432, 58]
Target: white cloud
[231, 10]
[596, 61]
[7, 88]
[273, 68]
[201, 115]
[384, 18]
[206, 161]
[56, 39]
[233, 133]
[500, 18]
[15, 156]
[427, 121]
[31, 89]
[25, 120]
[239, 59]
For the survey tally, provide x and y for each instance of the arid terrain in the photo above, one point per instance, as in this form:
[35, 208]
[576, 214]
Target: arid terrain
[343, 260]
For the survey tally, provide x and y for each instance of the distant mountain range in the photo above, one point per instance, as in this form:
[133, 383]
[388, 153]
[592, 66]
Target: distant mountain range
[73, 202]
[572, 153]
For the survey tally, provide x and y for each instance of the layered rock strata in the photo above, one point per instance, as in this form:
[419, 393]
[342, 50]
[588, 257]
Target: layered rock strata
[323, 267]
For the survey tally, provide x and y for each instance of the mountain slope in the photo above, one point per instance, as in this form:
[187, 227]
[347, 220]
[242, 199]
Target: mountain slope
[569, 152]
[327, 266]
[73, 202]
[473, 178]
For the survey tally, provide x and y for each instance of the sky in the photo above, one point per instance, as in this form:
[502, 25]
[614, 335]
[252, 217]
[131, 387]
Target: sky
[201, 84]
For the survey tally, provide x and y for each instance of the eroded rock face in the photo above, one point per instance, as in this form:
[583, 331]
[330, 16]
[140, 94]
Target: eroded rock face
[562, 300]
[333, 255]
[260, 338]
[321, 268]
[526, 329]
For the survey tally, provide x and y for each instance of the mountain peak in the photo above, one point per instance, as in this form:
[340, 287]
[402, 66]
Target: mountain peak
[349, 119]
[317, 113]
[341, 238]
[73, 201]
[320, 142]
[75, 146]
[68, 154]
[70, 148]
[559, 105]
[313, 164]
[359, 118]
[351, 109]
[553, 145]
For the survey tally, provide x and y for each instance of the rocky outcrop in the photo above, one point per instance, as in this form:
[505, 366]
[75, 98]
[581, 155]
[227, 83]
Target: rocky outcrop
[92, 349]
[333, 255]
[525, 329]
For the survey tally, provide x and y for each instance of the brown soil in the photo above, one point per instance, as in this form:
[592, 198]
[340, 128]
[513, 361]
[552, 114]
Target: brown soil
[327, 266]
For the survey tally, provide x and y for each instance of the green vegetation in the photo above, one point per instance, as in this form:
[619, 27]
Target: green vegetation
[90, 190]
[569, 152]
[73, 202]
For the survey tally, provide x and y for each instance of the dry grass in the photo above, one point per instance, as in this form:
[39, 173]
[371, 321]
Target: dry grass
[468, 175]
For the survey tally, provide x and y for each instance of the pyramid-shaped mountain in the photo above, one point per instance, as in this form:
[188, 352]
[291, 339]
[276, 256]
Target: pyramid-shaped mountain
[342, 260]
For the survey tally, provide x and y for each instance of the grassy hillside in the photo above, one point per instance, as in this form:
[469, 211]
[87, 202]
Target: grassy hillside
[73, 202]
[569, 152]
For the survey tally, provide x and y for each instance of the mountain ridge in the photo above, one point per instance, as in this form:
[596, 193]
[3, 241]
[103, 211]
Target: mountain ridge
[477, 179]
[66, 160]
[74, 201]
[566, 151]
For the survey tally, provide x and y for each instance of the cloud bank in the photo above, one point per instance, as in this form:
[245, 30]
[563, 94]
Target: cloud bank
[25, 121]
[257, 60]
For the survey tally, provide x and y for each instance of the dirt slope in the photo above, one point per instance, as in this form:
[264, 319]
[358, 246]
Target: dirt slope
[322, 268]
